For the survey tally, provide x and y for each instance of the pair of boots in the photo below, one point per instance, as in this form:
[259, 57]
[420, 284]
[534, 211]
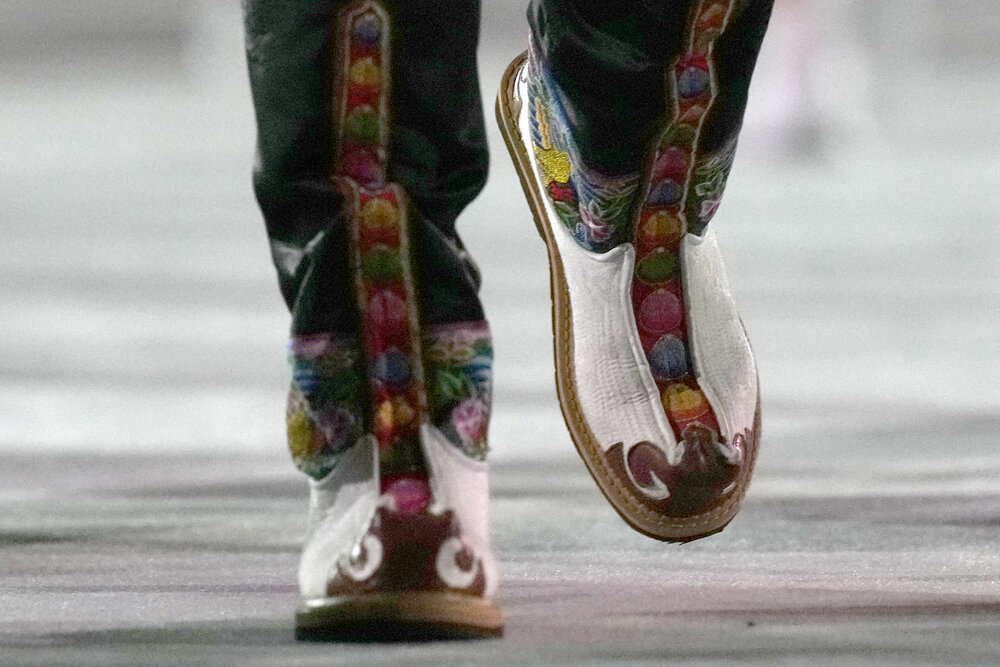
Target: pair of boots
[622, 124]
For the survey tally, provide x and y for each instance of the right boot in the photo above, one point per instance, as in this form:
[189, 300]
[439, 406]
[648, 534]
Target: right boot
[655, 376]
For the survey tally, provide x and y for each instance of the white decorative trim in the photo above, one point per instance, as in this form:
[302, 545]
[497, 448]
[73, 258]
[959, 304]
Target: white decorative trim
[370, 549]
[447, 566]
[341, 506]
[720, 351]
[614, 384]
[461, 484]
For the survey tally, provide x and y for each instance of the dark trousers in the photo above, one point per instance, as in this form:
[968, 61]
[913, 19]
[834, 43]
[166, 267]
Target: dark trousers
[609, 59]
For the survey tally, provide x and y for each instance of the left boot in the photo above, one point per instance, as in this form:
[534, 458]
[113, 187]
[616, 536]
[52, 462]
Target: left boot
[655, 375]
[408, 557]
[399, 543]
[389, 423]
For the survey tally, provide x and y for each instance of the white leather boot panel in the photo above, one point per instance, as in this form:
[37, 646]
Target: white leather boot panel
[340, 507]
[461, 484]
[720, 351]
[614, 385]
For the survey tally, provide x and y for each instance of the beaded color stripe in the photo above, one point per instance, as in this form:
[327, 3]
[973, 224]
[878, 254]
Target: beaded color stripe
[380, 247]
[657, 291]
[410, 544]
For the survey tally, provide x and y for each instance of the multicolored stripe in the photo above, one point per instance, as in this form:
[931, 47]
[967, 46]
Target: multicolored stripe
[663, 220]
[380, 244]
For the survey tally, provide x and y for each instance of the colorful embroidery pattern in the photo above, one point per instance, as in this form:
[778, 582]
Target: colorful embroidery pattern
[708, 185]
[459, 359]
[362, 118]
[663, 219]
[379, 228]
[594, 207]
[325, 413]
[327, 407]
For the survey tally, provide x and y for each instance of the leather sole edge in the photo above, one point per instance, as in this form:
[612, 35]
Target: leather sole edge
[405, 616]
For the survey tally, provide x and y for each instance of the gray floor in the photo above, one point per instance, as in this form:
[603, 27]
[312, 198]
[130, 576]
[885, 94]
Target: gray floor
[140, 559]
[149, 515]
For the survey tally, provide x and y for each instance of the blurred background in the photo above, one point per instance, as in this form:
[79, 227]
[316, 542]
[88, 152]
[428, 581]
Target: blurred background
[140, 313]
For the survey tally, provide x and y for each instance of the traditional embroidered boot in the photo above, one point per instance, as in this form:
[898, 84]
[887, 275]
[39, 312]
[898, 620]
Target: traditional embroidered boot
[399, 540]
[655, 375]
[390, 422]
[399, 529]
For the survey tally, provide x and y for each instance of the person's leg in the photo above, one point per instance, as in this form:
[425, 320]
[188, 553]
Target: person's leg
[607, 68]
[623, 125]
[370, 143]
[436, 151]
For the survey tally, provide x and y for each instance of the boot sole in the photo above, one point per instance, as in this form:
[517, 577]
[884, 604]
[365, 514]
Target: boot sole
[407, 616]
[628, 505]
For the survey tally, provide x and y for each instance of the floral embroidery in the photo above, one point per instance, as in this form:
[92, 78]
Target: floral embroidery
[594, 207]
[709, 184]
[460, 379]
[682, 193]
[325, 406]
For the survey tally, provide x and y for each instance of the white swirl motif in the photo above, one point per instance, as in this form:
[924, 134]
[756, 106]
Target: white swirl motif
[448, 568]
[656, 489]
[363, 560]
[731, 452]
